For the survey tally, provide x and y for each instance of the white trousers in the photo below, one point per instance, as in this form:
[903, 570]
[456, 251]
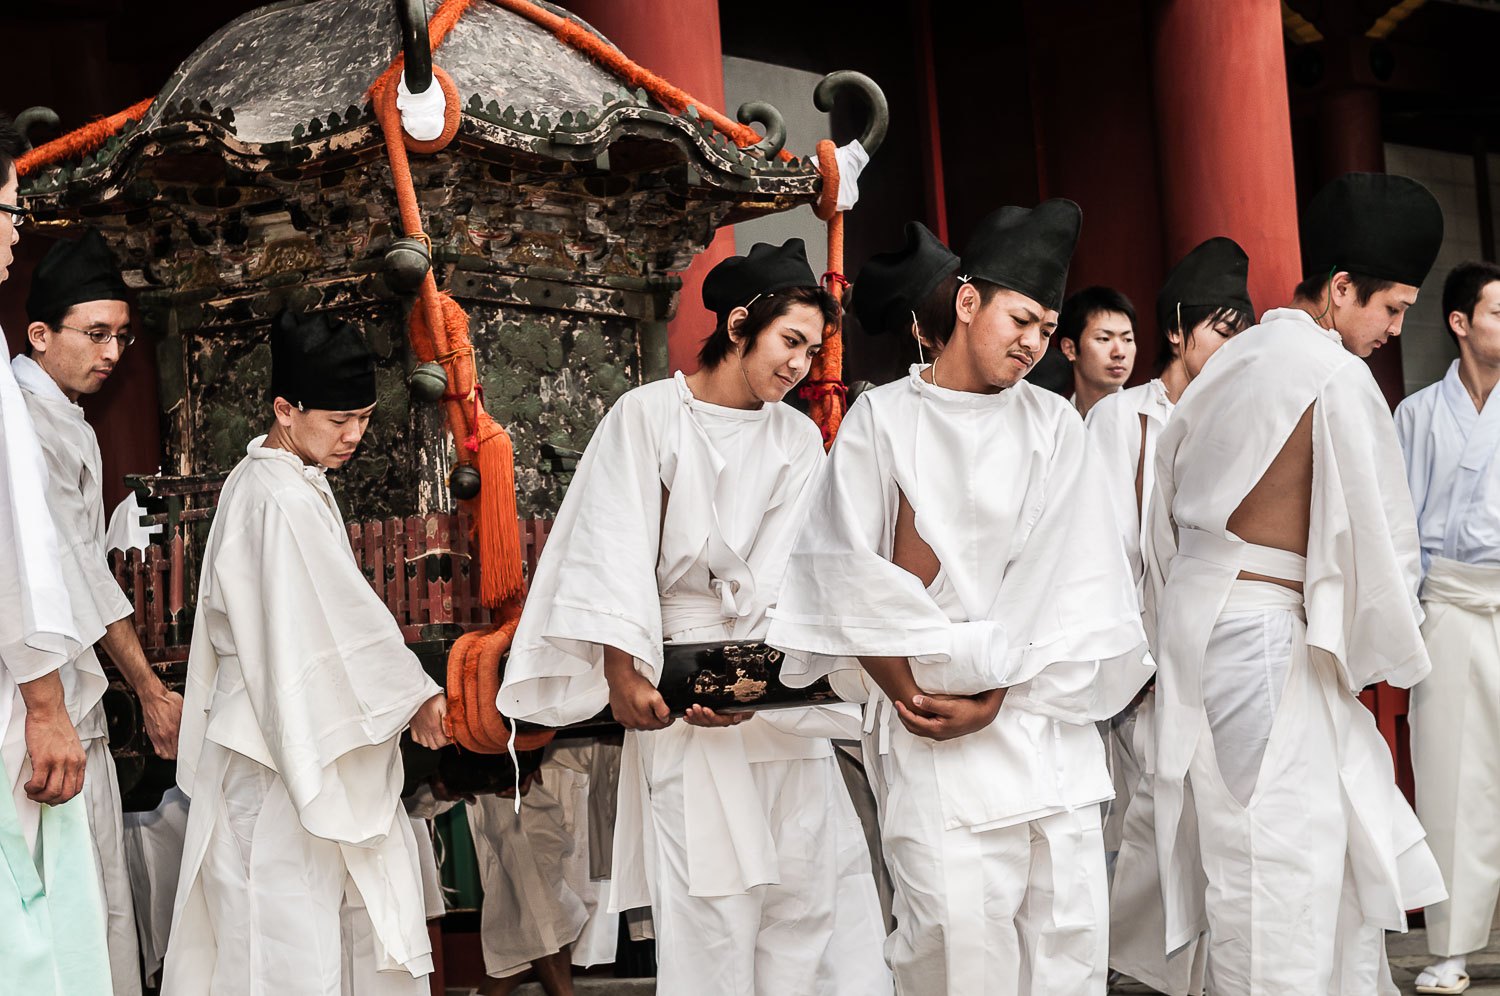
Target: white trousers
[1455, 751]
[534, 868]
[816, 932]
[101, 791]
[1016, 911]
[1273, 825]
[153, 855]
[574, 768]
[529, 910]
[1137, 921]
[287, 918]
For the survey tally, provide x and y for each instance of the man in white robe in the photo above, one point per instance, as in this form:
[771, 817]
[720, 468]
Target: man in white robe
[736, 830]
[958, 503]
[1281, 569]
[51, 913]
[1201, 305]
[80, 326]
[1449, 436]
[300, 871]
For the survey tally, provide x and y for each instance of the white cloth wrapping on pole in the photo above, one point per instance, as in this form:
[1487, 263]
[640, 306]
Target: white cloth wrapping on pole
[298, 670]
[852, 160]
[703, 806]
[1455, 750]
[422, 113]
[1361, 627]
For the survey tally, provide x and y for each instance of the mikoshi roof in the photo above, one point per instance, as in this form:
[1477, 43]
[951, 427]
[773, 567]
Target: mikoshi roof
[285, 88]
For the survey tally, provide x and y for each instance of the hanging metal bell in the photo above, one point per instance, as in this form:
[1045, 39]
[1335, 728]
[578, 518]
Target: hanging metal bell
[464, 482]
[429, 382]
[406, 263]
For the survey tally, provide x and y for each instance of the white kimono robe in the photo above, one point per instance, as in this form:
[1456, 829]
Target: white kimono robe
[300, 873]
[1304, 874]
[52, 929]
[1017, 515]
[723, 832]
[1455, 712]
[76, 498]
[1124, 429]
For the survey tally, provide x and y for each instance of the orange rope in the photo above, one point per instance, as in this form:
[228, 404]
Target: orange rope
[439, 332]
[826, 395]
[81, 141]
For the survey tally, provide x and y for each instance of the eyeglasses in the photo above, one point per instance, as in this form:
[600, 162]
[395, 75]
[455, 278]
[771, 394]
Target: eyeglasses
[18, 216]
[101, 337]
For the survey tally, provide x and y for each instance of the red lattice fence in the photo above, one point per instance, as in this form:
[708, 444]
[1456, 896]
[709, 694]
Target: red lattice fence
[421, 567]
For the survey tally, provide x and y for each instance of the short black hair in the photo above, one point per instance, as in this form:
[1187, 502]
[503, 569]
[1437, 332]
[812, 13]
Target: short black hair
[1191, 317]
[1365, 287]
[11, 146]
[1082, 306]
[759, 315]
[937, 314]
[1463, 289]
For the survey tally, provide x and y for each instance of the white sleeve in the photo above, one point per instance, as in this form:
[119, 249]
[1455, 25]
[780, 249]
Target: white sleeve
[595, 584]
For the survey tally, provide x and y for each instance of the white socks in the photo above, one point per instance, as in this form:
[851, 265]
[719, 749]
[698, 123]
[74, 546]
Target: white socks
[1444, 973]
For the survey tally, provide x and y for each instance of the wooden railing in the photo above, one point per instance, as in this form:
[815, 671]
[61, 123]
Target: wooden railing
[421, 567]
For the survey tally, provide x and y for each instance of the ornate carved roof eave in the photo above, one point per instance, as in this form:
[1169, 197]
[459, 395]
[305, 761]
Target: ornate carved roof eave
[716, 169]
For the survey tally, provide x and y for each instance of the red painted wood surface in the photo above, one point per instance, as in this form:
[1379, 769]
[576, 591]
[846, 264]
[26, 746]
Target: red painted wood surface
[1215, 178]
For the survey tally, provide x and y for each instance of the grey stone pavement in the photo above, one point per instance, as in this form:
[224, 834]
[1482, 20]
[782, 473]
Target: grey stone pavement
[1408, 954]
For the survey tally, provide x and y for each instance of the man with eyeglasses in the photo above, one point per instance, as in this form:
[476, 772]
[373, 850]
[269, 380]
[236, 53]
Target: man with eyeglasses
[51, 916]
[80, 326]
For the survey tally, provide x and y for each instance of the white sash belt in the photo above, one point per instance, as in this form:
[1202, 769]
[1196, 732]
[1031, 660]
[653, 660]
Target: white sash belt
[1474, 587]
[1242, 556]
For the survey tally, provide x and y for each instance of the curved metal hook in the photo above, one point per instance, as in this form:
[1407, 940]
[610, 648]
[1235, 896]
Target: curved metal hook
[415, 48]
[770, 121]
[33, 116]
[878, 111]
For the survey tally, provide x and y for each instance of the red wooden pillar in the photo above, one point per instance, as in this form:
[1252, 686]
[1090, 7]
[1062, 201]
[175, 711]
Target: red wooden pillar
[1225, 137]
[678, 41]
